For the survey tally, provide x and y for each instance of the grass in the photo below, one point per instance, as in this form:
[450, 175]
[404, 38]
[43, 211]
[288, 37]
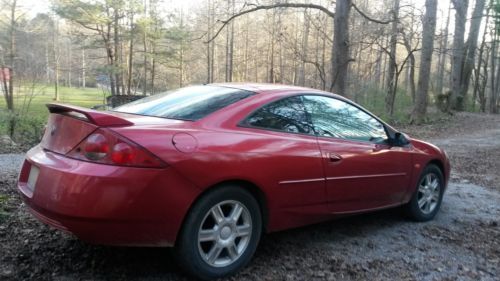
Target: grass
[30, 113]
[373, 99]
[42, 94]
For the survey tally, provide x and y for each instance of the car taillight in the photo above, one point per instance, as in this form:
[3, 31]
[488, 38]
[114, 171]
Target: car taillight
[122, 153]
[106, 147]
[96, 147]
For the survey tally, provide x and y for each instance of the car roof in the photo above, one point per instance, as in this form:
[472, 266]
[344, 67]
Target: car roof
[268, 88]
[263, 87]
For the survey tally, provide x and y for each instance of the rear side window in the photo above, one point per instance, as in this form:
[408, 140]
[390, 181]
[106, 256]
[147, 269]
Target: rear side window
[288, 115]
[190, 103]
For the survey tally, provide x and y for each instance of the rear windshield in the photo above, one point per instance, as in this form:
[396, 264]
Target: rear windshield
[190, 103]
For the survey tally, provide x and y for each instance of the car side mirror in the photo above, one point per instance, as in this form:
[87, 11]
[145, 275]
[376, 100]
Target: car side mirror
[399, 139]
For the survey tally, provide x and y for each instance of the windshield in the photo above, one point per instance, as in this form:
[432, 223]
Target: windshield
[190, 103]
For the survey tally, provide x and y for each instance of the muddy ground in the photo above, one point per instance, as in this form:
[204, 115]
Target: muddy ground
[462, 243]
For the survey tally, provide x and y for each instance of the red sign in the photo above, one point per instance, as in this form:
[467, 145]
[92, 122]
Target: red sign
[4, 74]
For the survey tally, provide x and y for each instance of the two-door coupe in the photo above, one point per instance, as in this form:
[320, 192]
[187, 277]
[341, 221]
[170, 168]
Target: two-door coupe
[207, 169]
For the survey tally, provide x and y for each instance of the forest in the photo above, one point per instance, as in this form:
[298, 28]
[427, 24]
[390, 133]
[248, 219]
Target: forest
[406, 60]
[430, 69]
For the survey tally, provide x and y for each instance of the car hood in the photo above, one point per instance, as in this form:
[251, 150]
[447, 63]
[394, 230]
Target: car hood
[426, 147]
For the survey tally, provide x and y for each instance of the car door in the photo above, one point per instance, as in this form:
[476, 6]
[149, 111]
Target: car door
[362, 170]
[289, 154]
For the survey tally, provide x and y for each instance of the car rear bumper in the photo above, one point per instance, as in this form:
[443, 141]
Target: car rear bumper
[106, 204]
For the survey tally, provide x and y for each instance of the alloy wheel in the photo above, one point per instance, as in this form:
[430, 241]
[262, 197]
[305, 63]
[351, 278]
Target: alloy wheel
[428, 193]
[224, 233]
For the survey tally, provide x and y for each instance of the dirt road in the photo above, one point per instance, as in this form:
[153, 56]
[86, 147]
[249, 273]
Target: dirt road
[462, 243]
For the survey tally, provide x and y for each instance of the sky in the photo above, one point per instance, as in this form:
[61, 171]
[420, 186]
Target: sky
[33, 7]
[41, 6]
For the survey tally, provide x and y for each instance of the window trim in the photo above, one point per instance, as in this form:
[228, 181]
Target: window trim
[243, 123]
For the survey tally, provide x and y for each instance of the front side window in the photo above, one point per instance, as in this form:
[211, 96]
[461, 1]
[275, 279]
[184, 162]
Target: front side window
[335, 118]
[190, 103]
[288, 115]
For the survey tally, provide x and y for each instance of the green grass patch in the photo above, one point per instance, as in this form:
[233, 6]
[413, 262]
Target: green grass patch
[373, 99]
[33, 99]
[30, 114]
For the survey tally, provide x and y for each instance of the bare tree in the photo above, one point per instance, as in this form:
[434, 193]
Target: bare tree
[429, 27]
[456, 99]
[391, 73]
[55, 43]
[340, 48]
[230, 43]
[470, 48]
[304, 50]
[481, 70]
[8, 67]
[443, 54]
[495, 71]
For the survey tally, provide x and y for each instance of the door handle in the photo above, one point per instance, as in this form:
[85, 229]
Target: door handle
[334, 157]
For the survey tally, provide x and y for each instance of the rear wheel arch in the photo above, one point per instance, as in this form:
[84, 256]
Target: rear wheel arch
[252, 188]
[193, 257]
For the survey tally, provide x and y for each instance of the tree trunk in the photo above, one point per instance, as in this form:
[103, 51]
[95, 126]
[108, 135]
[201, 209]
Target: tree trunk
[378, 68]
[303, 51]
[495, 94]
[482, 64]
[482, 90]
[296, 62]
[9, 95]
[411, 66]
[47, 62]
[456, 98]
[230, 44]
[111, 58]
[116, 39]
[245, 56]
[209, 35]
[340, 48]
[270, 77]
[181, 54]
[493, 75]
[429, 27]
[84, 74]
[130, 54]
[443, 52]
[323, 61]
[70, 62]
[391, 73]
[56, 60]
[471, 46]
[153, 46]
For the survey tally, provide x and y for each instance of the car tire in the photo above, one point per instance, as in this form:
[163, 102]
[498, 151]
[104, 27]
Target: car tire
[215, 240]
[426, 200]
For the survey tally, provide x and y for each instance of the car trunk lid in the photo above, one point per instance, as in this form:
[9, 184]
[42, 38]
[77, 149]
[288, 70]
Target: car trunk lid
[64, 132]
[68, 125]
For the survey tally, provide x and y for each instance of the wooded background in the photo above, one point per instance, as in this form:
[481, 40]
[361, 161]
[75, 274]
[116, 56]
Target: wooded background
[374, 52]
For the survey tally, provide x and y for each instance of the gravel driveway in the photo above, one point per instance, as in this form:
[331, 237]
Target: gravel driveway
[462, 242]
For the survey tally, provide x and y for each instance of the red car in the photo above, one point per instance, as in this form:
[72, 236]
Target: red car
[207, 169]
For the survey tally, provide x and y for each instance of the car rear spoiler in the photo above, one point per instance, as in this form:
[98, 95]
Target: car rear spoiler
[98, 118]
